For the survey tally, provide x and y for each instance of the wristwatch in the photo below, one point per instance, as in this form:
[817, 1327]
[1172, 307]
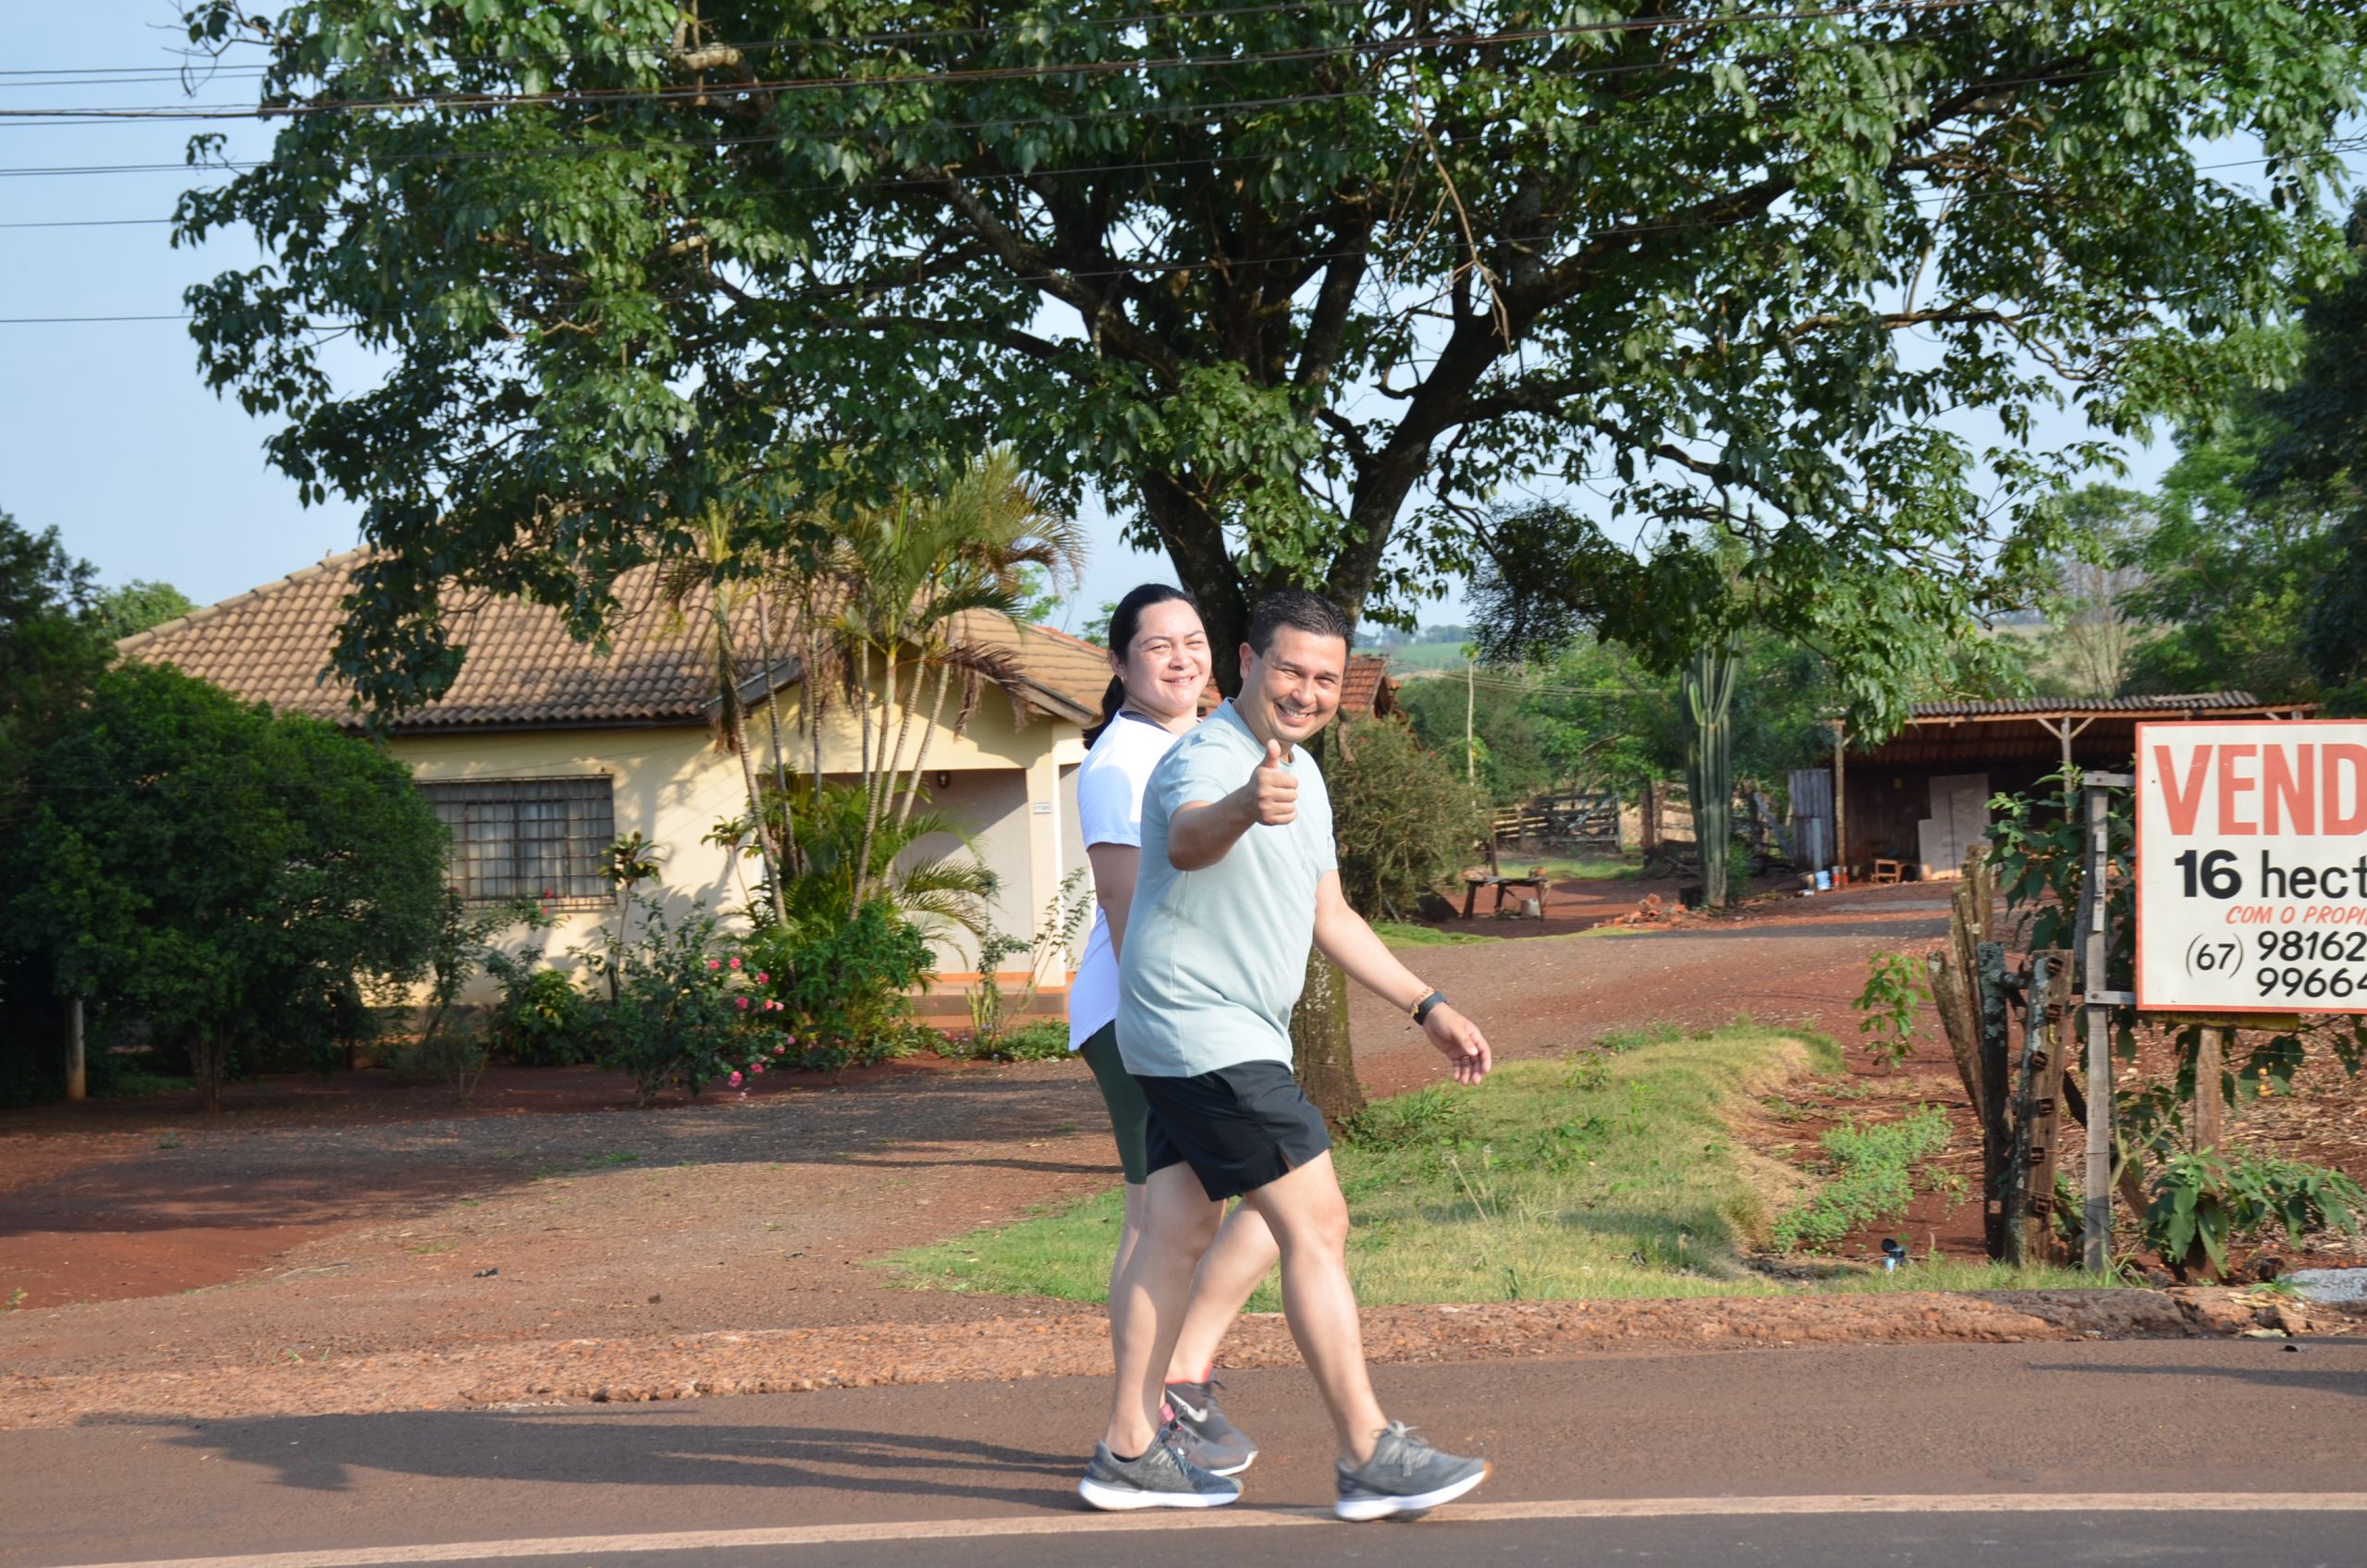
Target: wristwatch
[1420, 1011]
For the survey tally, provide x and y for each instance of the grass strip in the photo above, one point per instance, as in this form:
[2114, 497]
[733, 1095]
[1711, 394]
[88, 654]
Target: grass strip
[1611, 1174]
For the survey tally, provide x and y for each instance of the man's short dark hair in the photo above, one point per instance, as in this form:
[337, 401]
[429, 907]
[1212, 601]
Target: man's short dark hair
[1299, 609]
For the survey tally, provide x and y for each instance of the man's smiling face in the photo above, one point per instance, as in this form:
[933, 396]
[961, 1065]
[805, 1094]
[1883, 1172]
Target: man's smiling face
[1291, 690]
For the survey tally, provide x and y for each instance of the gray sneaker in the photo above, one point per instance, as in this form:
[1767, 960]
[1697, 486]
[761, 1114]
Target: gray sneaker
[1161, 1477]
[1404, 1476]
[1210, 1441]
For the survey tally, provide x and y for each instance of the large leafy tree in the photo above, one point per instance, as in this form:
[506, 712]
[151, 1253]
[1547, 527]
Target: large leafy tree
[51, 649]
[1297, 284]
[233, 878]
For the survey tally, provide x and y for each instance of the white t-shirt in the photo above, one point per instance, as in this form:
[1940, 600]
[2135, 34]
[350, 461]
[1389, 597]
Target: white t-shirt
[1110, 810]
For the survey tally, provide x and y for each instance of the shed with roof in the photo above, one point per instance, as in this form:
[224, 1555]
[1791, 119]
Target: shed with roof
[1921, 797]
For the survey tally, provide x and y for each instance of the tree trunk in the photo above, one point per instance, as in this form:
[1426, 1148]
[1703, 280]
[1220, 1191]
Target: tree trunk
[920, 758]
[1321, 1052]
[209, 1054]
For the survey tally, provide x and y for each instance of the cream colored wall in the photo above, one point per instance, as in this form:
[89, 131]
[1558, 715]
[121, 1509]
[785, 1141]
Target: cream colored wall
[671, 785]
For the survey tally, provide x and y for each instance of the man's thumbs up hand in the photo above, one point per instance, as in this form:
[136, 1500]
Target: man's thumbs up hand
[1271, 798]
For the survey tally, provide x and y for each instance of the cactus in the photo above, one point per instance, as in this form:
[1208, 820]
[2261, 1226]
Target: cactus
[1709, 762]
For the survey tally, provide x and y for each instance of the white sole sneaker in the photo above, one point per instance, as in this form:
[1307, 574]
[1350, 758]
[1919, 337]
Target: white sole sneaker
[1119, 1499]
[1230, 1470]
[1361, 1510]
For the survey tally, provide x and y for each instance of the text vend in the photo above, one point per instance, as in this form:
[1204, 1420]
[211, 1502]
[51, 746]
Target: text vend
[2297, 790]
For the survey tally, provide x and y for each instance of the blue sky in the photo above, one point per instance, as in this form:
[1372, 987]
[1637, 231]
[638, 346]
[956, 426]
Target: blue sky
[106, 430]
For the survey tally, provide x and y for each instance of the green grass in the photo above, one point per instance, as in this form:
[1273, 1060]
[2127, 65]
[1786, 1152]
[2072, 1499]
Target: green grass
[1605, 1175]
[1400, 934]
[1874, 1174]
[1567, 868]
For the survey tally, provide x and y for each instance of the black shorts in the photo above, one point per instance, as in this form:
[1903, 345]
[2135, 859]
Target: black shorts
[1238, 1128]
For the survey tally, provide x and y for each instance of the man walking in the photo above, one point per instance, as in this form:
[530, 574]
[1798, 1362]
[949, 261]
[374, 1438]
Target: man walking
[1238, 876]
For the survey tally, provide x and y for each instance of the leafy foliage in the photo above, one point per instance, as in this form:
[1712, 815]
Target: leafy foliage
[540, 1019]
[138, 606]
[1404, 818]
[231, 878]
[843, 985]
[51, 649]
[1897, 990]
[2037, 851]
[678, 1014]
[1301, 282]
[2202, 1203]
[1873, 1177]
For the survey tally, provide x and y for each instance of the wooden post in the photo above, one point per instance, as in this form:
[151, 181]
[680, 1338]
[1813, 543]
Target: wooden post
[1648, 818]
[1840, 796]
[2210, 1108]
[78, 1082]
[1996, 1121]
[2037, 1107]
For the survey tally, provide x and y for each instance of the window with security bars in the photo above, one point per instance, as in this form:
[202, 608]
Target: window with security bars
[527, 837]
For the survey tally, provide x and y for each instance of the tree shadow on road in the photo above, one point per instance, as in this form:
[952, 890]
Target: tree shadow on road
[322, 1453]
[2286, 1375]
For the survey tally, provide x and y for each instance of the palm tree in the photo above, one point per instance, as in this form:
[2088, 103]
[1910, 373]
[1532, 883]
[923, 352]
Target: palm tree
[720, 580]
[914, 585]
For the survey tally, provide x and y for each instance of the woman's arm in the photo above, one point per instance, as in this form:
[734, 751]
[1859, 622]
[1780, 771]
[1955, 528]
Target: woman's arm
[1113, 884]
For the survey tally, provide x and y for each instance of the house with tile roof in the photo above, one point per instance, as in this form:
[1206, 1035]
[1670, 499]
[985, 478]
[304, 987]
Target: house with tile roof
[547, 749]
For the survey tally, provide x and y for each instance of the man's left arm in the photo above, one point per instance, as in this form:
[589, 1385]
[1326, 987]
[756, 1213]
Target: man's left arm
[1341, 935]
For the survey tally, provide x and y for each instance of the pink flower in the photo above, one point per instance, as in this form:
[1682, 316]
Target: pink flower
[735, 964]
[762, 977]
[791, 1038]
[779, 1049]
[742, 1001]
[734, 1080]
[756, 1067]
[712, 964]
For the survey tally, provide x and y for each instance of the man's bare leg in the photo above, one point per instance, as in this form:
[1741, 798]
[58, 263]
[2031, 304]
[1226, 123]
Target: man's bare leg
[1231, 1270]
[1129, 1232]
[1309, 1220]
[1147, 1302]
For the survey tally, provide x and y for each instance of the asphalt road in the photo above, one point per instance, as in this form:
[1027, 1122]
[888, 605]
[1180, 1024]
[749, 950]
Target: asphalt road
[2146, 1452]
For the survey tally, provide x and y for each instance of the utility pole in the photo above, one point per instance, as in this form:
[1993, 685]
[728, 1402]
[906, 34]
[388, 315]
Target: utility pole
[1470, 750]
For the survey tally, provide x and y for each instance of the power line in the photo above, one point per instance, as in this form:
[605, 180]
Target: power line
[1657, 22]
[1162, 111]
[597, 97]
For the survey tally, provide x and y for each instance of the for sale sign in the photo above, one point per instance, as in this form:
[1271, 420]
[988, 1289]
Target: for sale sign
[2252, 866]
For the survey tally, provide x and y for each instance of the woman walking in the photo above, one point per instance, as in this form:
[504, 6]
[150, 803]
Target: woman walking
[1159, 658]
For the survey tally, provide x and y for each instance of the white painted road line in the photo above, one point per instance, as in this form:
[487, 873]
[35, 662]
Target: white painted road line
[1276, 1518]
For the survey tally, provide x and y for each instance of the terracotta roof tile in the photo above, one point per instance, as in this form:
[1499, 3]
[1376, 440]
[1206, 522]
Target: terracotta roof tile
[521, 669]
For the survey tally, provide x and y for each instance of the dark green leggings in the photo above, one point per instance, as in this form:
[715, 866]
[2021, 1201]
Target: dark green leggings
[1129, 1112]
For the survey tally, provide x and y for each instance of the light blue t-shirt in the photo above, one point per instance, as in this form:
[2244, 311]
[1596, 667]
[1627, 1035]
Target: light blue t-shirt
[1215, 958]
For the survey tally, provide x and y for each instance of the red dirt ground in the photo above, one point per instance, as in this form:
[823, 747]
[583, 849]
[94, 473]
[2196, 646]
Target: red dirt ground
[349, 1222]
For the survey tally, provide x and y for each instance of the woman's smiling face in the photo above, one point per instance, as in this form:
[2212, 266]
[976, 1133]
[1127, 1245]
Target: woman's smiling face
[1166, 666]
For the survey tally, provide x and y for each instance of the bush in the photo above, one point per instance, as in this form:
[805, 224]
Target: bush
[845, 988]
[1405, 820]
[453, 1055]
[683, 1012]
[541, 1019]
[1041, 1040]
